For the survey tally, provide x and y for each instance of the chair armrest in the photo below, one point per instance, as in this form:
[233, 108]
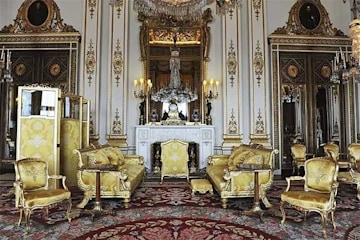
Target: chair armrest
[60, 177]
[218, 159]
[134, 159]
[292, 178]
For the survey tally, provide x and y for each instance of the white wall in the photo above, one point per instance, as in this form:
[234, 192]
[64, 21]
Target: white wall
[277, 15]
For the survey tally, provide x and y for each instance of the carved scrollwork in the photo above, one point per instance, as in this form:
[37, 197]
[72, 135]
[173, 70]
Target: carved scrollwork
[38, 16]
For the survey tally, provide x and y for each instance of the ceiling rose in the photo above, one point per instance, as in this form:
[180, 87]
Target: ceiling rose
[178, 9]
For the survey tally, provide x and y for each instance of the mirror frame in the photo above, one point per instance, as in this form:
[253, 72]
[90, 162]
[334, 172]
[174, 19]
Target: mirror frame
[166, 23]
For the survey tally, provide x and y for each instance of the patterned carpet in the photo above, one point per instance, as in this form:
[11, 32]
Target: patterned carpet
[169, 211]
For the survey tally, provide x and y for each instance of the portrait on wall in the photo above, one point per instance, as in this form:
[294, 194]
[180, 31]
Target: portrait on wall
[37, 13]
[309, 16]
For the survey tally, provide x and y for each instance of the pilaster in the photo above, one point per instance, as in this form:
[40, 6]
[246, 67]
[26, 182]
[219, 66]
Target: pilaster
[90, 86]
[259, 79]
[117, 84]
[232, 81]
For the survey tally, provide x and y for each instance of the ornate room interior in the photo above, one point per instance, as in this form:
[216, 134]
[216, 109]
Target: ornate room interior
[250, 72]
[229, 98]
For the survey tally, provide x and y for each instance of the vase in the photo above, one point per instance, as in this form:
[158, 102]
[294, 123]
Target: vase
[195, 115]
[154, 116]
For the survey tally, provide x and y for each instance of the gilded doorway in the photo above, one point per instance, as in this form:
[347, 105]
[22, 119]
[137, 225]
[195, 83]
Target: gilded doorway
[307, 107]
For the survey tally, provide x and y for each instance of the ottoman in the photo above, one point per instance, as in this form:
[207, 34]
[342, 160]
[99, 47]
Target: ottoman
[201, 185]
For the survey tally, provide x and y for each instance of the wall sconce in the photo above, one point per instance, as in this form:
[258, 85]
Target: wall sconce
[211, 89]
[142, 88]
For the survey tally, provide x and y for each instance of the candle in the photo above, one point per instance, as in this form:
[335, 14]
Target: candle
[2, 53]
[135, 82]
[8, 60]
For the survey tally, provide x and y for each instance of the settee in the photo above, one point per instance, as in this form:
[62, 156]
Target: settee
[231, 182]
[119, 182]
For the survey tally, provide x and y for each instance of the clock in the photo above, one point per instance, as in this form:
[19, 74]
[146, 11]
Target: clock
[309, 15]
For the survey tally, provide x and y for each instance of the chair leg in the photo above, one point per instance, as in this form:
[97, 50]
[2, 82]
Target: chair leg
[20, 217]
[69, 210]
[323, 221]
[224, 202]
[27, 220]
[333, 219]
[282, 203]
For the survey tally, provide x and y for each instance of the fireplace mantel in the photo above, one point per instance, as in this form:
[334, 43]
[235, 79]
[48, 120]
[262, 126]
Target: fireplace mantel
[146, 135]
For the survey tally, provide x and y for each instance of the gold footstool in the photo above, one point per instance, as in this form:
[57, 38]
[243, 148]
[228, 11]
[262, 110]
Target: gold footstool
[201, 185]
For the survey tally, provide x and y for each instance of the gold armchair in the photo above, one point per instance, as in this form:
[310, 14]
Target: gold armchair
[299, 155]
[174, 159]
[320, 189]
[354, 154]
[353, 175]
[32, 189]
[332, 150]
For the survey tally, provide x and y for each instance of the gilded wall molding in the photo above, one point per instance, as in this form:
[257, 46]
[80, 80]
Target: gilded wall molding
[90, 62]
[117, 127]
[117, 85]
[258, 63]
[38, 17]
[257, 8]
[117, 4]
[117, 62]
[92, 7]
[231, 63]
[232, 125]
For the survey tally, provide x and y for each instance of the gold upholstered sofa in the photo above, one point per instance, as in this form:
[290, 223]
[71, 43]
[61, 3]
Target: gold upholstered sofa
[231, 182]
[120, 181]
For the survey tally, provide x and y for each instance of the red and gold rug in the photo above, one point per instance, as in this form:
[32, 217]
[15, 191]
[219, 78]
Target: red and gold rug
[179, 229]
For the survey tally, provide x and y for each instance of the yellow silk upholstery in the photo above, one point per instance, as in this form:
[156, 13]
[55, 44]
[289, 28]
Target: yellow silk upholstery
[174, 159]
[230, 182]
[120, 183]
[354, 153]
[32, 189]
[332, 150]
[318, 194]
[353, 175]
[70, 140]
[299, 155]
[38, 136]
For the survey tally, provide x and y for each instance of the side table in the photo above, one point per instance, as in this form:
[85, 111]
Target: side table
[97, 209]
[256, 169]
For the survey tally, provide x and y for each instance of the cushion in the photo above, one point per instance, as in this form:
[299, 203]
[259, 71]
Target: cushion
[237, 157]
[97, 157]
[120, 156]
[111, 155]
[254, 159]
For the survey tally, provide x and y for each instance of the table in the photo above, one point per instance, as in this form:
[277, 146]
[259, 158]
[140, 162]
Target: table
[97, 209]
[256, 169]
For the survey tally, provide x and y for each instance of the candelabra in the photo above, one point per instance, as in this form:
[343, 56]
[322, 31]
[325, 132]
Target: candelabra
[141, 91]
[211, 89]
[5, 66]
[142, 88]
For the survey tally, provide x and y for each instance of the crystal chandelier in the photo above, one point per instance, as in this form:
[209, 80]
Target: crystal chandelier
[5, 66]
[345, 67]
[178, 9]
[175, 91]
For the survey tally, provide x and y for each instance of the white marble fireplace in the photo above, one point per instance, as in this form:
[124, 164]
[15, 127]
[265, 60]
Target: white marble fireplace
[146, 135]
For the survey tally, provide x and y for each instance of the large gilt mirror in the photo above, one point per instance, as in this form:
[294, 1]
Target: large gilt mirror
[157, 37]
